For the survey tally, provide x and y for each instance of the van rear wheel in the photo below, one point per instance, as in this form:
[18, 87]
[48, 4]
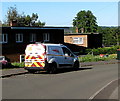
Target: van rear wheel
[31, 71]
[53, 69]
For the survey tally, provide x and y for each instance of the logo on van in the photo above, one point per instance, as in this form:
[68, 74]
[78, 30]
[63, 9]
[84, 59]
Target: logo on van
[55, 50]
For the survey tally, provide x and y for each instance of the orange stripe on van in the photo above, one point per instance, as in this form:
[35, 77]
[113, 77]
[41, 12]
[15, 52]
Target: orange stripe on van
[39, 64]
[33, 65]
[39, 57]
[26, 57]
[35, 62]
[33, 57]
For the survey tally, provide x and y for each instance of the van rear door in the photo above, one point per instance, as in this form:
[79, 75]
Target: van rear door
[35, 55]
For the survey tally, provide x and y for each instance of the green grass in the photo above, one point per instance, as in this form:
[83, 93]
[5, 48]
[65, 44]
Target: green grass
[92, 58]
[17, 64]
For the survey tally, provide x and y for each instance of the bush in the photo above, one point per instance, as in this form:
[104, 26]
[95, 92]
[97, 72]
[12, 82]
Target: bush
[105, 50]
[17, 64]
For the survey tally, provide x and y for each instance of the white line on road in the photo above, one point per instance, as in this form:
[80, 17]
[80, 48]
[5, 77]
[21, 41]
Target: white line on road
[92, 97]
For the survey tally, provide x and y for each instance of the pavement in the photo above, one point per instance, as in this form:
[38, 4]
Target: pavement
[18, 71]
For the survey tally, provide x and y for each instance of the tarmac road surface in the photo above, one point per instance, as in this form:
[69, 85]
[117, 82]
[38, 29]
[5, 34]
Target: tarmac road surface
[86, 83]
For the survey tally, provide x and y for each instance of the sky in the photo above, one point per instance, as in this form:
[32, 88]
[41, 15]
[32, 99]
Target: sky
[63, 13]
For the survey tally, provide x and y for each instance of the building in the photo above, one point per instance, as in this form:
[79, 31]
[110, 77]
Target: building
[14, 39]
[84, 40]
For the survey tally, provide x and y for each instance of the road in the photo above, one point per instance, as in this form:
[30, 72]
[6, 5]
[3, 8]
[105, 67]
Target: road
[67, 84]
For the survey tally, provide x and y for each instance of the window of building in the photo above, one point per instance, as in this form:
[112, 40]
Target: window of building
[19, 37]
[78, 40]
[46, 37]
[3, 38]
[32, 37]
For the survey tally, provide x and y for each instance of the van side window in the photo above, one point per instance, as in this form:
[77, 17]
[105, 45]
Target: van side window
[55, 50]
[66, 52]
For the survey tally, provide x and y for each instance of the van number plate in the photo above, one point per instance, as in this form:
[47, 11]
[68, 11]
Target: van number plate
[28, 62]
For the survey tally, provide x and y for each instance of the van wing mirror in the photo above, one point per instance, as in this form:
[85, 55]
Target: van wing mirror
[66, 54]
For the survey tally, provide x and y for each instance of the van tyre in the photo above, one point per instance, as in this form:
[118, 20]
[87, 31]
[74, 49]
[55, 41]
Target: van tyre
[31, 71]
[53, 69]
[76, 65]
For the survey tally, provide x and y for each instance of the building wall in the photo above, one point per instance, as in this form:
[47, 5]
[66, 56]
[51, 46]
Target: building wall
[89, 40]
[69, 39]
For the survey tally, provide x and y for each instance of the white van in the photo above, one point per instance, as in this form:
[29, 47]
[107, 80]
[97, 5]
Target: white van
[49, 57]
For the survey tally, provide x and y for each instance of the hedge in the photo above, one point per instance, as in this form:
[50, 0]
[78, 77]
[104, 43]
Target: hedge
[92, 58]
[105, 50]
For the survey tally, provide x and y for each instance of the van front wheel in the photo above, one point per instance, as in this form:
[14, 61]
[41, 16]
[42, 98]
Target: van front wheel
[76, 65]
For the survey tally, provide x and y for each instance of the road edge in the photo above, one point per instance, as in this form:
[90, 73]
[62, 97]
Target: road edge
[94, 96]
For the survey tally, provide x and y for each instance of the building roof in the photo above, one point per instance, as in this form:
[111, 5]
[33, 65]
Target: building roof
[70, 34]
[34, 27]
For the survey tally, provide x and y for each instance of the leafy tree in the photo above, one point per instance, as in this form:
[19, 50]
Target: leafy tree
[86, 21]
[22, 19]
[39, 23]
[12, 14]
[110, 35]
[117, 32]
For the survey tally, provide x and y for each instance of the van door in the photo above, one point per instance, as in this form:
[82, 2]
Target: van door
[68, 57]
[35, 55]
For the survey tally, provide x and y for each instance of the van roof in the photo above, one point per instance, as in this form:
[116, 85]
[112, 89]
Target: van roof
[49, 44]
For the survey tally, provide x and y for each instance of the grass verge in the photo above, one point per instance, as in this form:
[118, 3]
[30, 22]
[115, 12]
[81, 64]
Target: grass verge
[17, 64]
[92, 58]
[86, 58]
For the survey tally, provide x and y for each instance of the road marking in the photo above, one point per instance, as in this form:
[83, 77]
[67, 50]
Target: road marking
[93, 96]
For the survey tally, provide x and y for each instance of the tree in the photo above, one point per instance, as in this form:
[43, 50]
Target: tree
[117, 32]
[110, 35]
[85, 21]
[12, 14]
[22, 19]
[39, 23]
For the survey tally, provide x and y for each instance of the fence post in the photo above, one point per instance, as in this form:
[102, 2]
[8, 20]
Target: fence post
[22, 58]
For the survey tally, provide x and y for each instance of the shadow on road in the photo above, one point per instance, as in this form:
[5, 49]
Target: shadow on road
[65, 70]
[71, 70]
